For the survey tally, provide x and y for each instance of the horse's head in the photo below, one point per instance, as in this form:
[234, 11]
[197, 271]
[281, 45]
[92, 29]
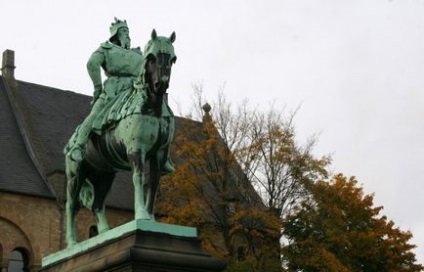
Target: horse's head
[159, 57]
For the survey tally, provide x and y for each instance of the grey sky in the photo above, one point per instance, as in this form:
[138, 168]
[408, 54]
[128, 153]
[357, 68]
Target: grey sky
[357, 67]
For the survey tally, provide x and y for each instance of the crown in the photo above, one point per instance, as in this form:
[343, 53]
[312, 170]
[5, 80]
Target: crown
[117, 25]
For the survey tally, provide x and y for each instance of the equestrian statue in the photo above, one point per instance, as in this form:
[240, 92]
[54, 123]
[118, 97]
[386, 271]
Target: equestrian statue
[130, 126]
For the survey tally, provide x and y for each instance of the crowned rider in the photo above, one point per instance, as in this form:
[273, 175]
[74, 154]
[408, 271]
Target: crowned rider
[122, 66]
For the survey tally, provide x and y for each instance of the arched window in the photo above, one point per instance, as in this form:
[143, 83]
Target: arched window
[93, 231]
[18, 261]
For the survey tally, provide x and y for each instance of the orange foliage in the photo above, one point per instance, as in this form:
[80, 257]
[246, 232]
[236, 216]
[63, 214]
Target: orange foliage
[339, 229]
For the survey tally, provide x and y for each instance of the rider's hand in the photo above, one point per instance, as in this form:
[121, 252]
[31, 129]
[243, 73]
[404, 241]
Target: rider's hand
[96, 94]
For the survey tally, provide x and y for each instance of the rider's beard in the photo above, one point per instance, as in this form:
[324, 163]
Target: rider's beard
[125, 42]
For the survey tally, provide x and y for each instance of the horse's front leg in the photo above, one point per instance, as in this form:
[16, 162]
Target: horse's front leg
[156, 167]
[137, 161]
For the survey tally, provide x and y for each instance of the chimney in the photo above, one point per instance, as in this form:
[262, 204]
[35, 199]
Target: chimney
[8, 64]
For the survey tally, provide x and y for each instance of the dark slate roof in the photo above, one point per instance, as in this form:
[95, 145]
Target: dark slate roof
[53, 115]
[17, 171]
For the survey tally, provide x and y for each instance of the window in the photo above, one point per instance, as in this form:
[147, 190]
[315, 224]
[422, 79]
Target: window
[18, 261]
[93, 231]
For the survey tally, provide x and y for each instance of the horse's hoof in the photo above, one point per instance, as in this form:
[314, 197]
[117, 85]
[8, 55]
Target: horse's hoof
[143, 216]
[71, 243]
[104, 230]
[168, 168]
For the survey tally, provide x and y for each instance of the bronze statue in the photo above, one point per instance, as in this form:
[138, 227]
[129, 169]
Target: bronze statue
[129, 125]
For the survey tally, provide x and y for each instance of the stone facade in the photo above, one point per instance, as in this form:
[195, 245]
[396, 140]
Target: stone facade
[35, 225]
[28, 223]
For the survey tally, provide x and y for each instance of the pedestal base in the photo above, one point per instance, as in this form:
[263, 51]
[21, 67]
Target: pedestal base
[140, 247]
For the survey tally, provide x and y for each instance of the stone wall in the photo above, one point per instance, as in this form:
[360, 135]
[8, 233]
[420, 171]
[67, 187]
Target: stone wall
[28, 222]
[37, 225]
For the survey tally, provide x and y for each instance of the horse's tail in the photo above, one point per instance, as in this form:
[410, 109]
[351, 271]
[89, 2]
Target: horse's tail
[79, 189]
[86, 195]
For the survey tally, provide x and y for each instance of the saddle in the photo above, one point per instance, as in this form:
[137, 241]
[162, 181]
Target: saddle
[127, 103]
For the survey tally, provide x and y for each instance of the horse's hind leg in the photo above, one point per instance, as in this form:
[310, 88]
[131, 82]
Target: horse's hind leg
[102, 184]
[72, 200]
[137, 160]
[102, 225]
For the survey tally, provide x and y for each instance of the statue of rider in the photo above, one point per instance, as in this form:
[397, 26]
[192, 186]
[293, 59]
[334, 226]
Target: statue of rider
[122, 66]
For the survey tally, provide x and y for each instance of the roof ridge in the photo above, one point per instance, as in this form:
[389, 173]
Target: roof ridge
[50, 88]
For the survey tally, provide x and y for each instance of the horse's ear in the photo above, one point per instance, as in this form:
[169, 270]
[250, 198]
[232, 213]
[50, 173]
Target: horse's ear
[173, 37]
[154, 34]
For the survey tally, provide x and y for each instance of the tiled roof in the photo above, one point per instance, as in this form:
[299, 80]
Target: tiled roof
[17, 171]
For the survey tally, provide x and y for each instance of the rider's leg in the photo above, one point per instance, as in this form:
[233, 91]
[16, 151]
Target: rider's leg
[77, 150]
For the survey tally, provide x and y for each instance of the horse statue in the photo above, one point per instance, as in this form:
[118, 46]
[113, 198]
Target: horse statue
[137, 129]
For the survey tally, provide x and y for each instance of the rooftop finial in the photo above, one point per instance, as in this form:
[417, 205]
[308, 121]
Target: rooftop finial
[207, 119]
[207, 108]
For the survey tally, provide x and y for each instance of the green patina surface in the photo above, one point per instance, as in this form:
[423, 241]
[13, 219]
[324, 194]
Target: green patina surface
[142, 225]
[122, 66]
[130, 127]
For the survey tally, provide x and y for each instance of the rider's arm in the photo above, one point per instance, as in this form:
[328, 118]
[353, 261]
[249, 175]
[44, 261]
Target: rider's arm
[94, 65]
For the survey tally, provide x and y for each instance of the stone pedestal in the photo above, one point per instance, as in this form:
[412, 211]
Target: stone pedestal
[136, 246]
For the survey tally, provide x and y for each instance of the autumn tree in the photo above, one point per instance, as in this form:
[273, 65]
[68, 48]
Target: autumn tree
[276, 163]
[210, 189]
[339, 229]
[236, 150]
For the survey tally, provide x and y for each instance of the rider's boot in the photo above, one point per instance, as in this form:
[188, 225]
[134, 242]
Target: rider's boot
[77, 150]
[77, 153]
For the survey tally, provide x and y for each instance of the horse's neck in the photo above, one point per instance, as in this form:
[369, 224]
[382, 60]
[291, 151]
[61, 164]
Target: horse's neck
[157, 104]
[155, 100]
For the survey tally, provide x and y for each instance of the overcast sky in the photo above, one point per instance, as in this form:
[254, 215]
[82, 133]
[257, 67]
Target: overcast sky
[356, 66]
